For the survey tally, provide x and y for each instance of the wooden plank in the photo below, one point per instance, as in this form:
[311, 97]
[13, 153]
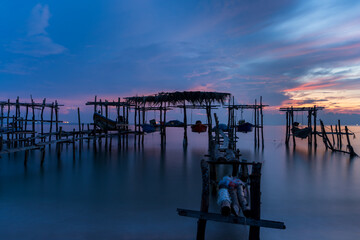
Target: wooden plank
[231, 219]
[14, 150]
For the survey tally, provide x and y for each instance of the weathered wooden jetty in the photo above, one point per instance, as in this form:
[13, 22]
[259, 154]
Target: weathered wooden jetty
[310, 131]
[19, 121]
[222, 153]
[336, 145]
[291, 125]
[258, 123]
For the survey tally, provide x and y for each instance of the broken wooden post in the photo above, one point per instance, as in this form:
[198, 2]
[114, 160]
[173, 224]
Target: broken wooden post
[351, 149]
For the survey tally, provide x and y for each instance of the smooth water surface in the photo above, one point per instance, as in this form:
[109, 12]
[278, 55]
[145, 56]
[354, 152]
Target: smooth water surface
[133, 193]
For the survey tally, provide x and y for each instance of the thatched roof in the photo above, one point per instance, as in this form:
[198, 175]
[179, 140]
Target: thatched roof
[193, 97]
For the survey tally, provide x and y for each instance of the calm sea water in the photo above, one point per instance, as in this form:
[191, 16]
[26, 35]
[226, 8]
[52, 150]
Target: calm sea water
[134, 193]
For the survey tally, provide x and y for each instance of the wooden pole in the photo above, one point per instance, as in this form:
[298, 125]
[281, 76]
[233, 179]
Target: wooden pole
[287, 129]
[255, 195]
[262, 122]
[315, 134]
[56, 117]
[204, 207]
[351, 149]
[255, 125]
[2, 115]
[51, 121]
[340, 136]
[185, 142]
[95, 104]
[292, 125]
[42, 120]
[33, 121]
[332, 134]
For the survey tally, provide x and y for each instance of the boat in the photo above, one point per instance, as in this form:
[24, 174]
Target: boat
[148, 128]
[301, 132]
[222, 127]
[198, 127]
[174, 123]
[244, 126]
[103, 122]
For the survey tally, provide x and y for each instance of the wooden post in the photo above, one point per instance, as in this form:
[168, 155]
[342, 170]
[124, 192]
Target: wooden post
[73, 143]
[340, 136]
[204, 207]
[79, 122]
[309, 126]
[255, 177]
[332, 134]
[2, 115]
[118, 110]
[56, 117]
[262, 122]
[135, 115]
[33, 121]
[337, 135]
[26, 119]
[185, 142]
[51, 121]
[42, 120]
[287, 129]
[255, 125]
[315, 134]
[292, 125]
[351, 149]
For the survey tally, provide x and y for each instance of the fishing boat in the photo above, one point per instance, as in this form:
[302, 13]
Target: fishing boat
[244, 126]
[223, 127]
[104, 122]
[301, 132]
[174, 123]
[198, 127]
[148, 128]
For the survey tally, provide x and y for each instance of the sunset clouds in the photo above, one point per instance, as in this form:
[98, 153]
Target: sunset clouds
[290, 52]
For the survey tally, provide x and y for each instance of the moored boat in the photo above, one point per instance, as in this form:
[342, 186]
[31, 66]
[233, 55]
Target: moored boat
[104, 122]
[198, 127]
[244, 126]
[174, 123]
[223, 127]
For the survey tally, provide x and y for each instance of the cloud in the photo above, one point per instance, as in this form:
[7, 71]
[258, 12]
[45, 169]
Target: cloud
[37, 43]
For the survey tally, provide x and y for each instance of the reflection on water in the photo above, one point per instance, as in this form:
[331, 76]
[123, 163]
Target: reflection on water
[134, 193]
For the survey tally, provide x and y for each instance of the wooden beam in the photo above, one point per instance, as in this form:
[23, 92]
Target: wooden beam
[231, 219]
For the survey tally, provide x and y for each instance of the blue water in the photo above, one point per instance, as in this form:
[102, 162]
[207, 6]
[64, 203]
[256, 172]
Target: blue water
[134, 193]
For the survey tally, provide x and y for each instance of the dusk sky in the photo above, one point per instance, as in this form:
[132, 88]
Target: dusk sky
[290, 52]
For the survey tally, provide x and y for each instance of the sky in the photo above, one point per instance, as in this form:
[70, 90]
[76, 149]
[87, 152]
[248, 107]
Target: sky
[299, 53]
